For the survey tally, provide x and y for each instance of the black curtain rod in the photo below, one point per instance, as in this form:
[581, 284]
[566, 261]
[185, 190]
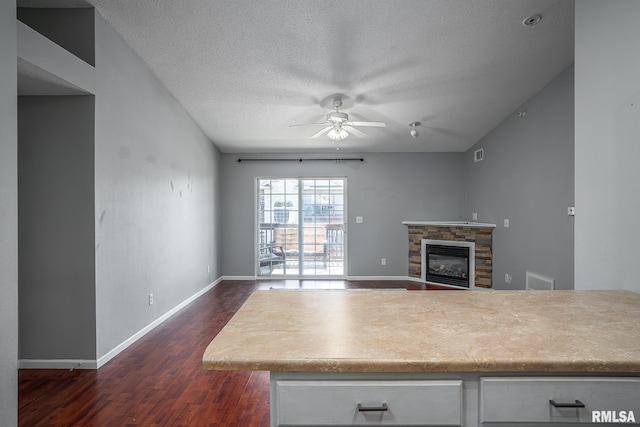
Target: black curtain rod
[301, 160]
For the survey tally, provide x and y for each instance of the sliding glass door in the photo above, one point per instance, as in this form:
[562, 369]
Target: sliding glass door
[301, 227]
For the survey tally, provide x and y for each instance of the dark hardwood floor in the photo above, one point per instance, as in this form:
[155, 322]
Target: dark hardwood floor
[159, 381]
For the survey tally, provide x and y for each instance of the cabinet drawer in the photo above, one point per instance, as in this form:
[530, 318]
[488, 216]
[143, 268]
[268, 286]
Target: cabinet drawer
[528, 399]
[407, 403]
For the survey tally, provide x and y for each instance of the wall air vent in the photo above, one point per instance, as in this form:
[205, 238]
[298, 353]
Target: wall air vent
[478, 155]
[538, 282]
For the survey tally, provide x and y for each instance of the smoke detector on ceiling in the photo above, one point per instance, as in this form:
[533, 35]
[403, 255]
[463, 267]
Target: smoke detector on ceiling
[532, 21]
[414, 132]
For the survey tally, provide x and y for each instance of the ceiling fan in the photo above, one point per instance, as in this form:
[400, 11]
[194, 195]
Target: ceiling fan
[338, 126]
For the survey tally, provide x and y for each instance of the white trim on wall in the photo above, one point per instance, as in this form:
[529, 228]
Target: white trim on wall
[266, 278]
[70, 364]
[412, 279]
[248, 278]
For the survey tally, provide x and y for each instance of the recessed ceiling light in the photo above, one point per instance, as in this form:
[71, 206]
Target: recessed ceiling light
[532, 20]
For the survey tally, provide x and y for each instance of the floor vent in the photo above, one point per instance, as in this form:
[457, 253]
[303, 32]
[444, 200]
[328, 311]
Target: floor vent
[537, 282]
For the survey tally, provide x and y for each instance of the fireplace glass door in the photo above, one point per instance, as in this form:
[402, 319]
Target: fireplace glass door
[448, 265]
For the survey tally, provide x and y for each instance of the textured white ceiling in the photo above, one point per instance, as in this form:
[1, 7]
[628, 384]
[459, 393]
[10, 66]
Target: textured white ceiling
[246, 70]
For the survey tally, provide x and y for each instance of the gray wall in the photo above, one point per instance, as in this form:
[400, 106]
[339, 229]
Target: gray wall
[56, 229]
[8, 217]
[385, 189]
[607, 147]
[157, 187]
[527, 177]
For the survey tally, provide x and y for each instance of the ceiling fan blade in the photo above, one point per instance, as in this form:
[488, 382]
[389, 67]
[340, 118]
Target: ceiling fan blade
[374, 124]
[309, 124]
[325, 130]
[354, 131]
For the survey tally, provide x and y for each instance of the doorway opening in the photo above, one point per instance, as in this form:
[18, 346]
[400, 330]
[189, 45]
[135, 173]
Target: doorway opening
[301, 227]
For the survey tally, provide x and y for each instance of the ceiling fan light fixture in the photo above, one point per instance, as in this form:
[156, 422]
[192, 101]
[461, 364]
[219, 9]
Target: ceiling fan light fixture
[338, 126]
[337, 134]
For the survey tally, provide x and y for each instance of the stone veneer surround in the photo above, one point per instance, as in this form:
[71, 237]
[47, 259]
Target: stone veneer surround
[482, 236]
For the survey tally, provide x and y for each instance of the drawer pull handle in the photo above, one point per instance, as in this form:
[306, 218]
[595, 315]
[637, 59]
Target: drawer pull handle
[383, 408]
[577, 404]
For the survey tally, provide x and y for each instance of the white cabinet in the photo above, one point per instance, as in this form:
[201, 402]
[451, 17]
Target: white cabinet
[556, 400]
[450, 399]
[364, 402]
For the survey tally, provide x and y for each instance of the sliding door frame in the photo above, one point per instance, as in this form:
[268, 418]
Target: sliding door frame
[300, 229]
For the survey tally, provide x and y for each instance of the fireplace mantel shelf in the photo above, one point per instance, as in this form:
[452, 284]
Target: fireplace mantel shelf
[451, 224]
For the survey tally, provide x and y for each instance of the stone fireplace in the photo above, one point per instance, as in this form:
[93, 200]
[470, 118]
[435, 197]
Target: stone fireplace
[448, 233]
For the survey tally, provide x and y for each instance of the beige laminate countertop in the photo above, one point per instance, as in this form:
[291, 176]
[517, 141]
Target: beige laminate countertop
[431, 331]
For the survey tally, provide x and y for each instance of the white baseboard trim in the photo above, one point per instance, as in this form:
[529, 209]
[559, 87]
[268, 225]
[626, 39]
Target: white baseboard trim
[242, 278]
[413, 279]
[135, 337]
[69, 364]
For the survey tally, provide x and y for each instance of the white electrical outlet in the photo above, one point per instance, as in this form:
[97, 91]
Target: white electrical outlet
[150, 299]
[506, 223]
[571, 211]
[474, 216]
[383, 261]
[359, 220]
[507, 278]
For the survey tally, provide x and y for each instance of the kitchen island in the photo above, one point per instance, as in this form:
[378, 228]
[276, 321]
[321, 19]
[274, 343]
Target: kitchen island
[438, 357]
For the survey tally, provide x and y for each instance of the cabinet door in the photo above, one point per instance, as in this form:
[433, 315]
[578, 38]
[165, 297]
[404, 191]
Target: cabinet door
[528, 400]
[407, 403]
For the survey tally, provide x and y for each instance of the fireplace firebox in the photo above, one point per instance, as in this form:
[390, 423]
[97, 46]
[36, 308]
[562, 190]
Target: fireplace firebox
[448, 263]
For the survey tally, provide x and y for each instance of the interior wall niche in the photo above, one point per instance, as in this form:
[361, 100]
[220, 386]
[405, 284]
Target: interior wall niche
[71, 28]
[56, 243]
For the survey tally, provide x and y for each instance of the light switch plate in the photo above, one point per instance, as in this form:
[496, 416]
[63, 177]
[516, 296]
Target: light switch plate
[359, 219]
[506, 222]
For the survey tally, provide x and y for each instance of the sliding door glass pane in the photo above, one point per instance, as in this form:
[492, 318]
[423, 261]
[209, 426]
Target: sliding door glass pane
[277, 224]
[323, 206]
